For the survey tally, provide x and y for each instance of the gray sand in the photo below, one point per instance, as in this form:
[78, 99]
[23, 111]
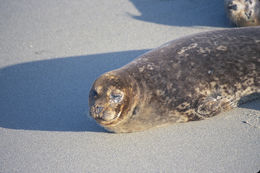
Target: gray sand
[50, 53]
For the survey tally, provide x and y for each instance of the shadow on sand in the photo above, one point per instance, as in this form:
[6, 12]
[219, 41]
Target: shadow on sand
[52, 95]
[254, 104]
[182, 12]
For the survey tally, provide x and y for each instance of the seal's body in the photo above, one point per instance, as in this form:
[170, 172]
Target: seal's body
[243, 12]
[192, 78]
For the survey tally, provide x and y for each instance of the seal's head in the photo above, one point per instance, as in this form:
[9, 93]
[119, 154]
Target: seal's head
[243, 12]
[110, 99]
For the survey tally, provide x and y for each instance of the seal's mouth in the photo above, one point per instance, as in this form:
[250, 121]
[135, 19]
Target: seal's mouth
[103, 116]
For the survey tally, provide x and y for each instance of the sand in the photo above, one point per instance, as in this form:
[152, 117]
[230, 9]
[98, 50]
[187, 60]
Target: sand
[50, 53]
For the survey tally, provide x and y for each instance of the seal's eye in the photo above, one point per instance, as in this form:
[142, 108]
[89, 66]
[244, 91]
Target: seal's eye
[116, 97]
[93, 93]
[232, 7]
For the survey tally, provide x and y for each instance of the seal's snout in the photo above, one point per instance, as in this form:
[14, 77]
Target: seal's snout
[98, 109]
[101, 113]
[248, 14]
[95, 110]
[232, 7]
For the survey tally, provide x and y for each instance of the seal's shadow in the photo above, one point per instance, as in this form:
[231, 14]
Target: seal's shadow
[52, 95]
[182, 12]
[254, 104]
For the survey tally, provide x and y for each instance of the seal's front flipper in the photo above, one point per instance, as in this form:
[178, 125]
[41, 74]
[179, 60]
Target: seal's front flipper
[212, 105]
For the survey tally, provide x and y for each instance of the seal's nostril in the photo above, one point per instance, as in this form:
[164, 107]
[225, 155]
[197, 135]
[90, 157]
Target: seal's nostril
[232, 7]
[250, 1]
[248, 15]
[99, 109]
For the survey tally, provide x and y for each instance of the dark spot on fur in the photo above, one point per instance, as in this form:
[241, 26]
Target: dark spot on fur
[193, 117]
[182, 109]
[136, 109]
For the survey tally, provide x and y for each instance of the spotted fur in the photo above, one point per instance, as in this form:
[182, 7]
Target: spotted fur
[192, 78]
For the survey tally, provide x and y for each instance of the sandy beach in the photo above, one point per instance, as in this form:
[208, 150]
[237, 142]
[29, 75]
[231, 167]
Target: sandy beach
[51, 52]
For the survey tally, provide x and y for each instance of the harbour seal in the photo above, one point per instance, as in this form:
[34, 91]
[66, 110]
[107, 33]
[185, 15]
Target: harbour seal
[191, 78]
[243, 12]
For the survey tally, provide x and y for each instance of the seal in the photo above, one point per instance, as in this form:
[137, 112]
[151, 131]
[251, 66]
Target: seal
[243, 12]
[188, 79]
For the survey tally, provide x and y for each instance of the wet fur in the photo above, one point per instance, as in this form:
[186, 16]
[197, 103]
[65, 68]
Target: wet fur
[192, 78]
